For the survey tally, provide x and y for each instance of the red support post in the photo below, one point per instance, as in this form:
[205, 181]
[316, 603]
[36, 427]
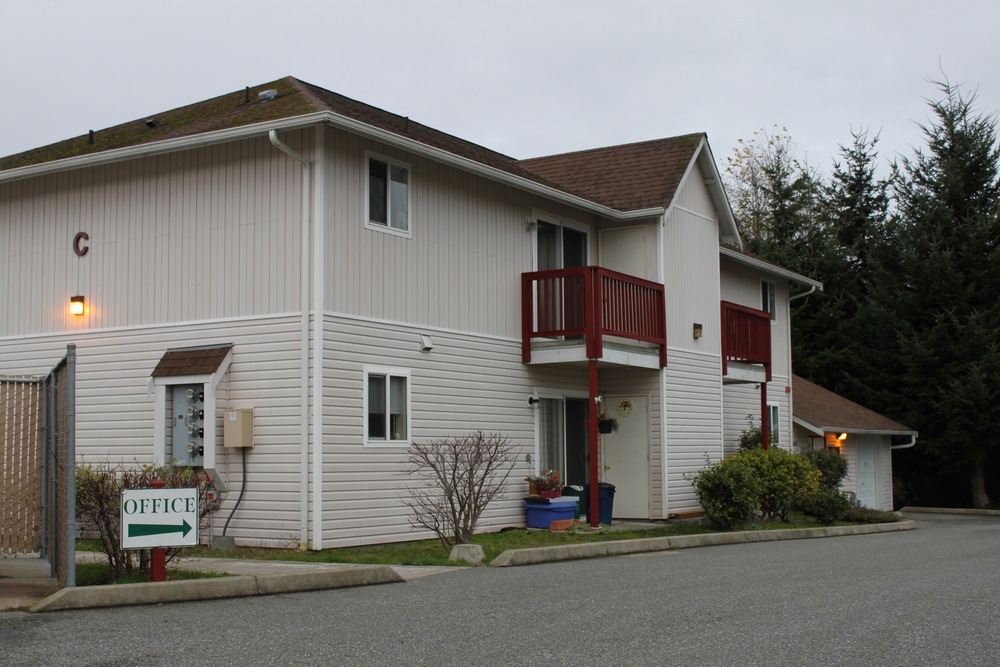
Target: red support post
[593, 513]
[158, 555]
[765, 431]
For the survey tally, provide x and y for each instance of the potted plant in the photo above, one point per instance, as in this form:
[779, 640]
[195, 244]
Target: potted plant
[546, 484]
[606, 424]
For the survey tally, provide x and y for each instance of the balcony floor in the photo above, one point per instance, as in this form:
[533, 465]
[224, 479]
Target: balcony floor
[638, 355]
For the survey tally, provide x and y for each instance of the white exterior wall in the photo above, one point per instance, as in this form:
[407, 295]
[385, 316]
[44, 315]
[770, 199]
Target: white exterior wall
[693, 423]
[466, 383]
[204, 234]
[462, 265]
[115, 408]
[693, 428]
[883, 463]
[741, 285]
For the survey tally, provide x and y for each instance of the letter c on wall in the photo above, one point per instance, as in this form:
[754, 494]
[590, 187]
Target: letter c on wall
[79, 246]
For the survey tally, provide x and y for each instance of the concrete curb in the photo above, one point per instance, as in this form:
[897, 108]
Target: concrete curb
[950, 510]
[516, 557]
[84, 597]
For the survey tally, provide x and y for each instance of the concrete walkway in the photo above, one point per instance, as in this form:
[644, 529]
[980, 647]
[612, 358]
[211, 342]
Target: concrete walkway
[25, 583]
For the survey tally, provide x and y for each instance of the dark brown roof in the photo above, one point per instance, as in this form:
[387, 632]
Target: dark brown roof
[629, 177]
[828, 411]
[191, 361]
[240, 108]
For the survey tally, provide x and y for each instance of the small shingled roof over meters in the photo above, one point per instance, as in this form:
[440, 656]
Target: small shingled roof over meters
[203, 360]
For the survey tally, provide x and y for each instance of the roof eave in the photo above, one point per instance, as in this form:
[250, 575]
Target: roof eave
[486, 171]
[769, 268]
[821, 430]
[161, 147]
[336, 120]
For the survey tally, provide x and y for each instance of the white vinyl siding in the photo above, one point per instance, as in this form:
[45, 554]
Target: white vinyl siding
[208, 233]
[115, 409]
[461, 268]
[693, 423]
[692, 268]
[465, 384]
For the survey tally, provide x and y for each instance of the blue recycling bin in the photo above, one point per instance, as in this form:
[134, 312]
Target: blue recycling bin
[605, 502]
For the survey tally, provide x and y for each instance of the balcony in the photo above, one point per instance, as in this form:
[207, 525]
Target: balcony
[578, 308]
[746, 343]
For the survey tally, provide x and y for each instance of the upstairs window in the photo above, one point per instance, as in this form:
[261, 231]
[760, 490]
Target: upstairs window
[387, 406]
[388, 195]
[768, 299]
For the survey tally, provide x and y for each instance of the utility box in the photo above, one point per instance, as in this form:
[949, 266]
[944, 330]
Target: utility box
[237, 428]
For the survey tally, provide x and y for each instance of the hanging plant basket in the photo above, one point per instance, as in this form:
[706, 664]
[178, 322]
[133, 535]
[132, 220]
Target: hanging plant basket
[607, 425]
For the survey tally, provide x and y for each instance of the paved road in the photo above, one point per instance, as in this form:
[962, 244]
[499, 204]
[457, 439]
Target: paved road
[925, 597]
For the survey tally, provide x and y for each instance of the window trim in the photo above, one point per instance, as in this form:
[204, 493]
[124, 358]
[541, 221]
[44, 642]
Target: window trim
[769, 299]
[774, 423]
[389, 373]
[387, 228]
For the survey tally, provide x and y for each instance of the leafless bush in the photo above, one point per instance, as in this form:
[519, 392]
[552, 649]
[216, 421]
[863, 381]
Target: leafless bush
[98, 505]
[457, 479]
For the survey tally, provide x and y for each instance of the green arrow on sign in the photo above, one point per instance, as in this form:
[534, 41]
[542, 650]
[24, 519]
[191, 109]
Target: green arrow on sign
[146, 529]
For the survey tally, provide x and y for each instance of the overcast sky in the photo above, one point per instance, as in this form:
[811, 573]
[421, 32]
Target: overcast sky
[523, 77]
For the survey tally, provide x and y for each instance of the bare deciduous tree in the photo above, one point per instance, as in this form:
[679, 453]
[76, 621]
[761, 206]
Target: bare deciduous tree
[456, 479]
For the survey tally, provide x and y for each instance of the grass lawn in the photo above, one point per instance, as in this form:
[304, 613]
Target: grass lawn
[430, 552]
[98, 574]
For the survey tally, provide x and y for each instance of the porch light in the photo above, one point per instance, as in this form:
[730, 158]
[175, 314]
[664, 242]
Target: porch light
[842, 436]
[76, 305]
[697, 330]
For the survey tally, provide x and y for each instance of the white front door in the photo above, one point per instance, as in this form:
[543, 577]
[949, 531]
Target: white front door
[867, 471]
[625, 455]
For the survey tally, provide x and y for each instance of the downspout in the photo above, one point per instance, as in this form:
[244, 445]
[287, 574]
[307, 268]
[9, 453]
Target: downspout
[319, 334]
[661, 277]
[788, 343]
[803, 295]
[304, 343]
[913, 441]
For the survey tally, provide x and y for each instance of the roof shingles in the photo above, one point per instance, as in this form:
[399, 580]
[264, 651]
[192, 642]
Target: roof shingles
[829, 411]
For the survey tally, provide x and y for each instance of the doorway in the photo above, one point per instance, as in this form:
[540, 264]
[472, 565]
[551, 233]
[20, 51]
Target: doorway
[867, 468]
[562, 438]
[626, 455]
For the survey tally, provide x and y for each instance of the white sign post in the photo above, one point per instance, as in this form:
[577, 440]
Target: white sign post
[159, 518]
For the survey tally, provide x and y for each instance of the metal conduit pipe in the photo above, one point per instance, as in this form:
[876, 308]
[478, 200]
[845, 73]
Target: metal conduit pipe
[304, 362]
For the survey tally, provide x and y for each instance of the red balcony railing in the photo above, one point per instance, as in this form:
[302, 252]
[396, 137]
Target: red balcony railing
[746, 336]
[591, 302]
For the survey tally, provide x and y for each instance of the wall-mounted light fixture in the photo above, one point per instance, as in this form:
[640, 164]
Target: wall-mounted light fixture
[530, 223]
[696, 330]
[532, 401]
[842, 436]
[76, 305]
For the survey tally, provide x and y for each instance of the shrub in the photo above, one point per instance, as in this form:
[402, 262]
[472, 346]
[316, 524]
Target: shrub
[751, 437]
[729, 492]
[827, 505]
[98, 504]
[458, 478]
[769, 482]
[831, 465]
[784, 479]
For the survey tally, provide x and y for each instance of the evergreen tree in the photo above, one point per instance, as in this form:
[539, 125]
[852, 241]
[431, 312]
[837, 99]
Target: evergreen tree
[839, 337]
[946, 236]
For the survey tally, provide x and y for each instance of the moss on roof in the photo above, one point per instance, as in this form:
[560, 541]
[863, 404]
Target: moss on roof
[223, 112]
